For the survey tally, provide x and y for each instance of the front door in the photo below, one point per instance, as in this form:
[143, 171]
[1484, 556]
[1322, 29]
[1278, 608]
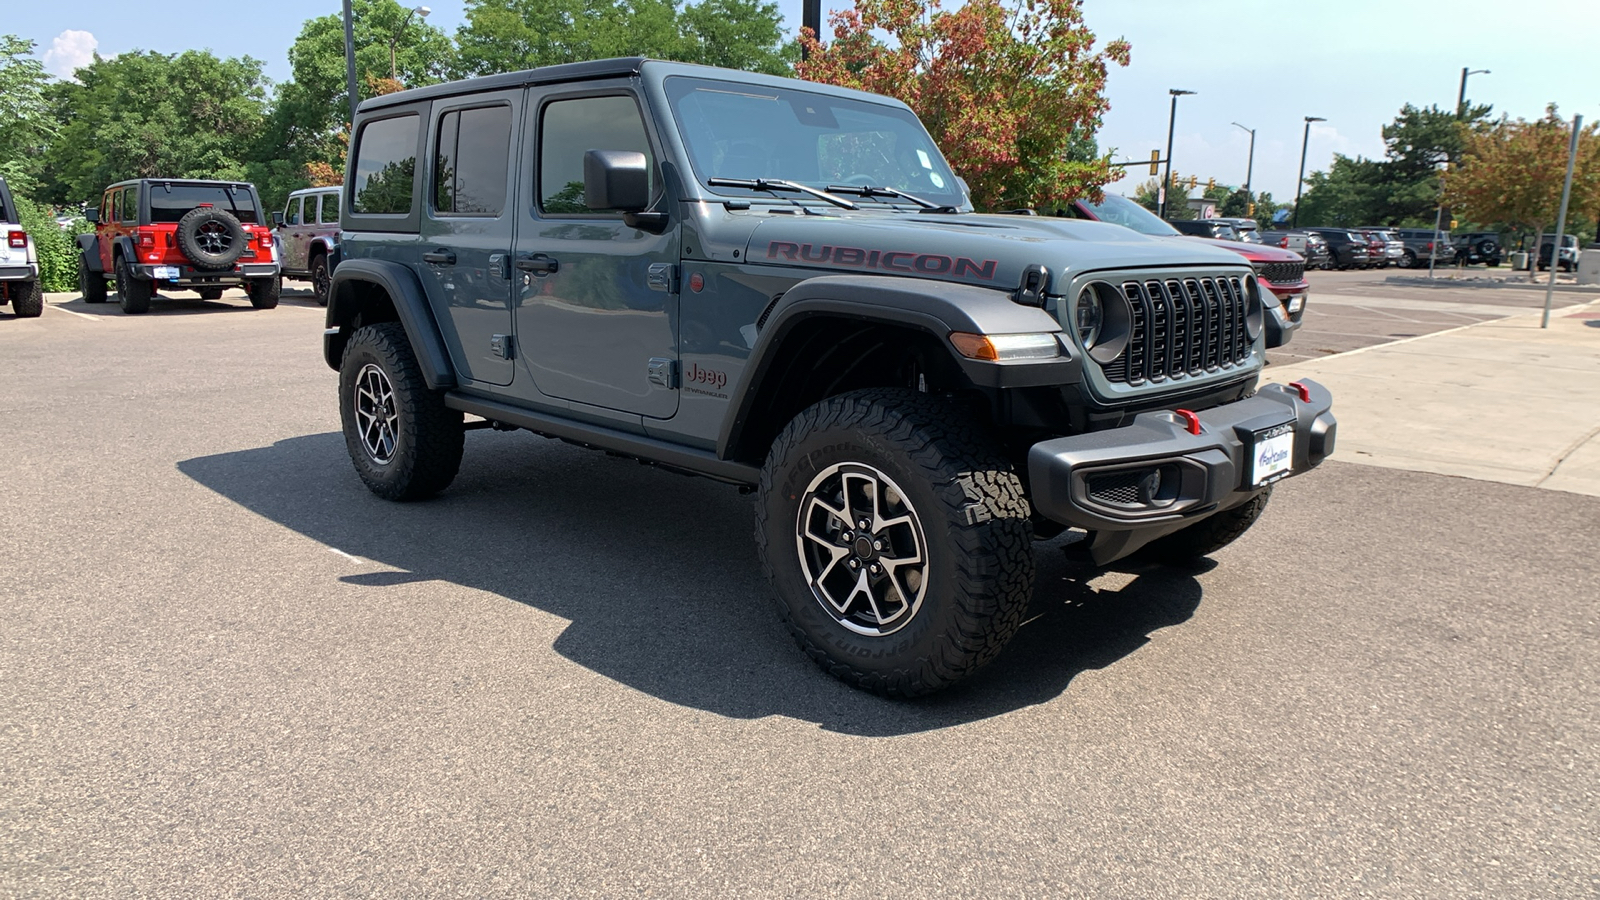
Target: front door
[598, 309]
[293, 236]
[466, 229]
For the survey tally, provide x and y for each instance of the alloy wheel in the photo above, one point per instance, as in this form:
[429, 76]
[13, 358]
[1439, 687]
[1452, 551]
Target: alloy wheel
[377, 414]
[862, 549]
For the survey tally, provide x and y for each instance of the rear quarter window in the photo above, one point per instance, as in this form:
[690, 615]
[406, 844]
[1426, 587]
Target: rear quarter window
[386, 167]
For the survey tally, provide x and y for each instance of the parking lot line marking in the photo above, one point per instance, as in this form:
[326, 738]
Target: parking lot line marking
[344, 554]
[71, 313]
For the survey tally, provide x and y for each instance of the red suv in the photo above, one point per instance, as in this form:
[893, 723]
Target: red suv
[203, 236]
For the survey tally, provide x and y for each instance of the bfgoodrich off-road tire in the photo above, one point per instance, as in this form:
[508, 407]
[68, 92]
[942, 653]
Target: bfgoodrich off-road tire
[939, 579]
[321, 281]
[133, 293]
[264, 292]
[211, 238]
[92, 285]
[27, 300]
[1209, 535]
[404, 442]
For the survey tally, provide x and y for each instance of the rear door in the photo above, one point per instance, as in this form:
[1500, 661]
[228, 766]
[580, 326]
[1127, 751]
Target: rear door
[467, 227]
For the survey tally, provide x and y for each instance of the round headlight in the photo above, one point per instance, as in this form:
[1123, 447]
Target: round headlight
[1089, 314]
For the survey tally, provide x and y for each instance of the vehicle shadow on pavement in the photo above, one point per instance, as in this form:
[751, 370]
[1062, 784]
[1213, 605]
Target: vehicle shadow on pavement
[187, 304]
[657, 574]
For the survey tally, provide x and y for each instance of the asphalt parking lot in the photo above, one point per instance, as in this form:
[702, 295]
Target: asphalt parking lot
[229, 670]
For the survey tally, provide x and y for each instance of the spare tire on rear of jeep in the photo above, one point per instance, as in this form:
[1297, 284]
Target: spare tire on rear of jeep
[212, 238]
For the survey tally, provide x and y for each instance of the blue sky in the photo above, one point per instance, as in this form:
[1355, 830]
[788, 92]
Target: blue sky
[1263, 63]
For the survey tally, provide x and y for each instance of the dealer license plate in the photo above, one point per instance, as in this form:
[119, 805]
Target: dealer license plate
[1274, 454]
[166, 272]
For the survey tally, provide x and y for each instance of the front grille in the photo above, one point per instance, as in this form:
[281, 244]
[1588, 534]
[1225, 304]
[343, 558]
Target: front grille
[1282, 272]
[1182, 328]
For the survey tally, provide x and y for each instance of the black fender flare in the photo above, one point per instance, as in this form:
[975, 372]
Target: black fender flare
[326, 245]
[410, 306]
[123, 245]
[935, 307]
[90, 246]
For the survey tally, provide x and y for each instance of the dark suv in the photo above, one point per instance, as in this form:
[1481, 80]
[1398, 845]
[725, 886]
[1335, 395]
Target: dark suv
[204, 236]
[1348, 249]
[781, 285]
[1478, 247]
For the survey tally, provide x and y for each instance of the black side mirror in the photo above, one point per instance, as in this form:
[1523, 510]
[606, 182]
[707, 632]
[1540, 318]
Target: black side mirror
[277, 218]
[93, 215]
[616, 179]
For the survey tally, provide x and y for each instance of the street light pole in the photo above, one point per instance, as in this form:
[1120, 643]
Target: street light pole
[1461, 96]
[1171, 121]
[1250, 166]
[1294, 219]
[422, 11]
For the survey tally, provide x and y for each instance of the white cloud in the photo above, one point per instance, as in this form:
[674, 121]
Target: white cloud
[69, 51]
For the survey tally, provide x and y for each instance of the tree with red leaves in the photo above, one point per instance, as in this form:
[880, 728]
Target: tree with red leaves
[1006, 91]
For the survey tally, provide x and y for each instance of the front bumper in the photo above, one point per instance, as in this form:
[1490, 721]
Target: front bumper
[1283, 318]
[189, 275]
[1155, 476]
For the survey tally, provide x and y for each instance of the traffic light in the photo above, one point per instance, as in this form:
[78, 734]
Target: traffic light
[1193, 180]
[1452, 223]
[1211, 185]
[1250, 210]
[1155, 162]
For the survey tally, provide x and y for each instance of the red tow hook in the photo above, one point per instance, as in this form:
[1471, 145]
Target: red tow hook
[1302, 390]
[1190, 420]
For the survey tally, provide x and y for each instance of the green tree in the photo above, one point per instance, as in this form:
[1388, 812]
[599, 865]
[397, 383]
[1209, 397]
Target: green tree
[146, 114]
[26, 124]
[1349, 193]
[1512, 173]
[508, 35]
[1004, 87]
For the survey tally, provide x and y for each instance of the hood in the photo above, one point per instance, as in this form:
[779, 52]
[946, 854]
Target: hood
[988, 250]
[1256, 253]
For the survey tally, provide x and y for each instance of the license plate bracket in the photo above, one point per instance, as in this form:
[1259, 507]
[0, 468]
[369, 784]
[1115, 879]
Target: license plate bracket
[1271, 454]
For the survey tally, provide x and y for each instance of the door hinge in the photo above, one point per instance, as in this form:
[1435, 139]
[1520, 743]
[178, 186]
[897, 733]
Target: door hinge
[664, 372]
[663, 277]
[502, 345]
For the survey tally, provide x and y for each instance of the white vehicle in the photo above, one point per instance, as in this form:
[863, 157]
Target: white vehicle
[19, 262]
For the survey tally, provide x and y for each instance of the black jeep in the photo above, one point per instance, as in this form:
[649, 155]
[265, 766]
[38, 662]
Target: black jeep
[782, 285]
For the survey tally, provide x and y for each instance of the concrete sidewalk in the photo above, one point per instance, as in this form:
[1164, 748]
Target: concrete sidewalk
[1502, 400]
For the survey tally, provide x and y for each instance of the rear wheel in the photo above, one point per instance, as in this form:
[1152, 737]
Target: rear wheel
[91, 285]
[27, 300]
[133, 293]
[405, 443]
[264, 291]
[896, 537]
[1408, 260]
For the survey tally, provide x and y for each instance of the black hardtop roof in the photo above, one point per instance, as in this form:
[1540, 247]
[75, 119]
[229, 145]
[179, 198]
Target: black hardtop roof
[199, 181]
[605, 68]
[578, 71]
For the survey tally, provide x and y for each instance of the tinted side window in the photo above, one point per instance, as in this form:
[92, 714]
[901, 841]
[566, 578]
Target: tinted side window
[569, 129]
[291, 216]
[108, 206]
[386, 166]
[330, 209]
[130, 204]
[469, 172]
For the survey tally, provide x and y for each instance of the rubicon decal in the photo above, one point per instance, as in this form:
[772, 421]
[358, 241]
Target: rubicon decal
[889, 260]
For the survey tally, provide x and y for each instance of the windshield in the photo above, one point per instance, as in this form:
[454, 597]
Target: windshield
[1249, 235]
[778, 133]
[1122, 211]
[169, 202]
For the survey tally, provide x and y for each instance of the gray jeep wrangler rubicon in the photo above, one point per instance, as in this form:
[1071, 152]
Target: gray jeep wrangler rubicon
[782, 285]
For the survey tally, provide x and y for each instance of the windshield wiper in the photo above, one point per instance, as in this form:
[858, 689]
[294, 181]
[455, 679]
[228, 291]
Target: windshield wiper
[863, 191]
[778, 184]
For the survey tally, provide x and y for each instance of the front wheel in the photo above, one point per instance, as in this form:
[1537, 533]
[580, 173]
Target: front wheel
[405, 443]
[1408, 260]
[896, 537]
[1211, 534]
[321, 281]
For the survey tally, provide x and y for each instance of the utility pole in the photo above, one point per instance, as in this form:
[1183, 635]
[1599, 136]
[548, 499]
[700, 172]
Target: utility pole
[1249, 167]
[1294, 219]
[1171, 121]
[811, 17]
[1561, 223]
[350, 60]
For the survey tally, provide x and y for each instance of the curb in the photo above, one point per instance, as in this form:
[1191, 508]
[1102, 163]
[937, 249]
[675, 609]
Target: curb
[1415, 281]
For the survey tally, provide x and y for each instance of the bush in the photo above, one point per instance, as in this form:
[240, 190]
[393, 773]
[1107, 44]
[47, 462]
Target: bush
[58, 252]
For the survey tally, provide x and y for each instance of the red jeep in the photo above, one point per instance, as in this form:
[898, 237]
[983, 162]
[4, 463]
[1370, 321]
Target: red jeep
[203, 236]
